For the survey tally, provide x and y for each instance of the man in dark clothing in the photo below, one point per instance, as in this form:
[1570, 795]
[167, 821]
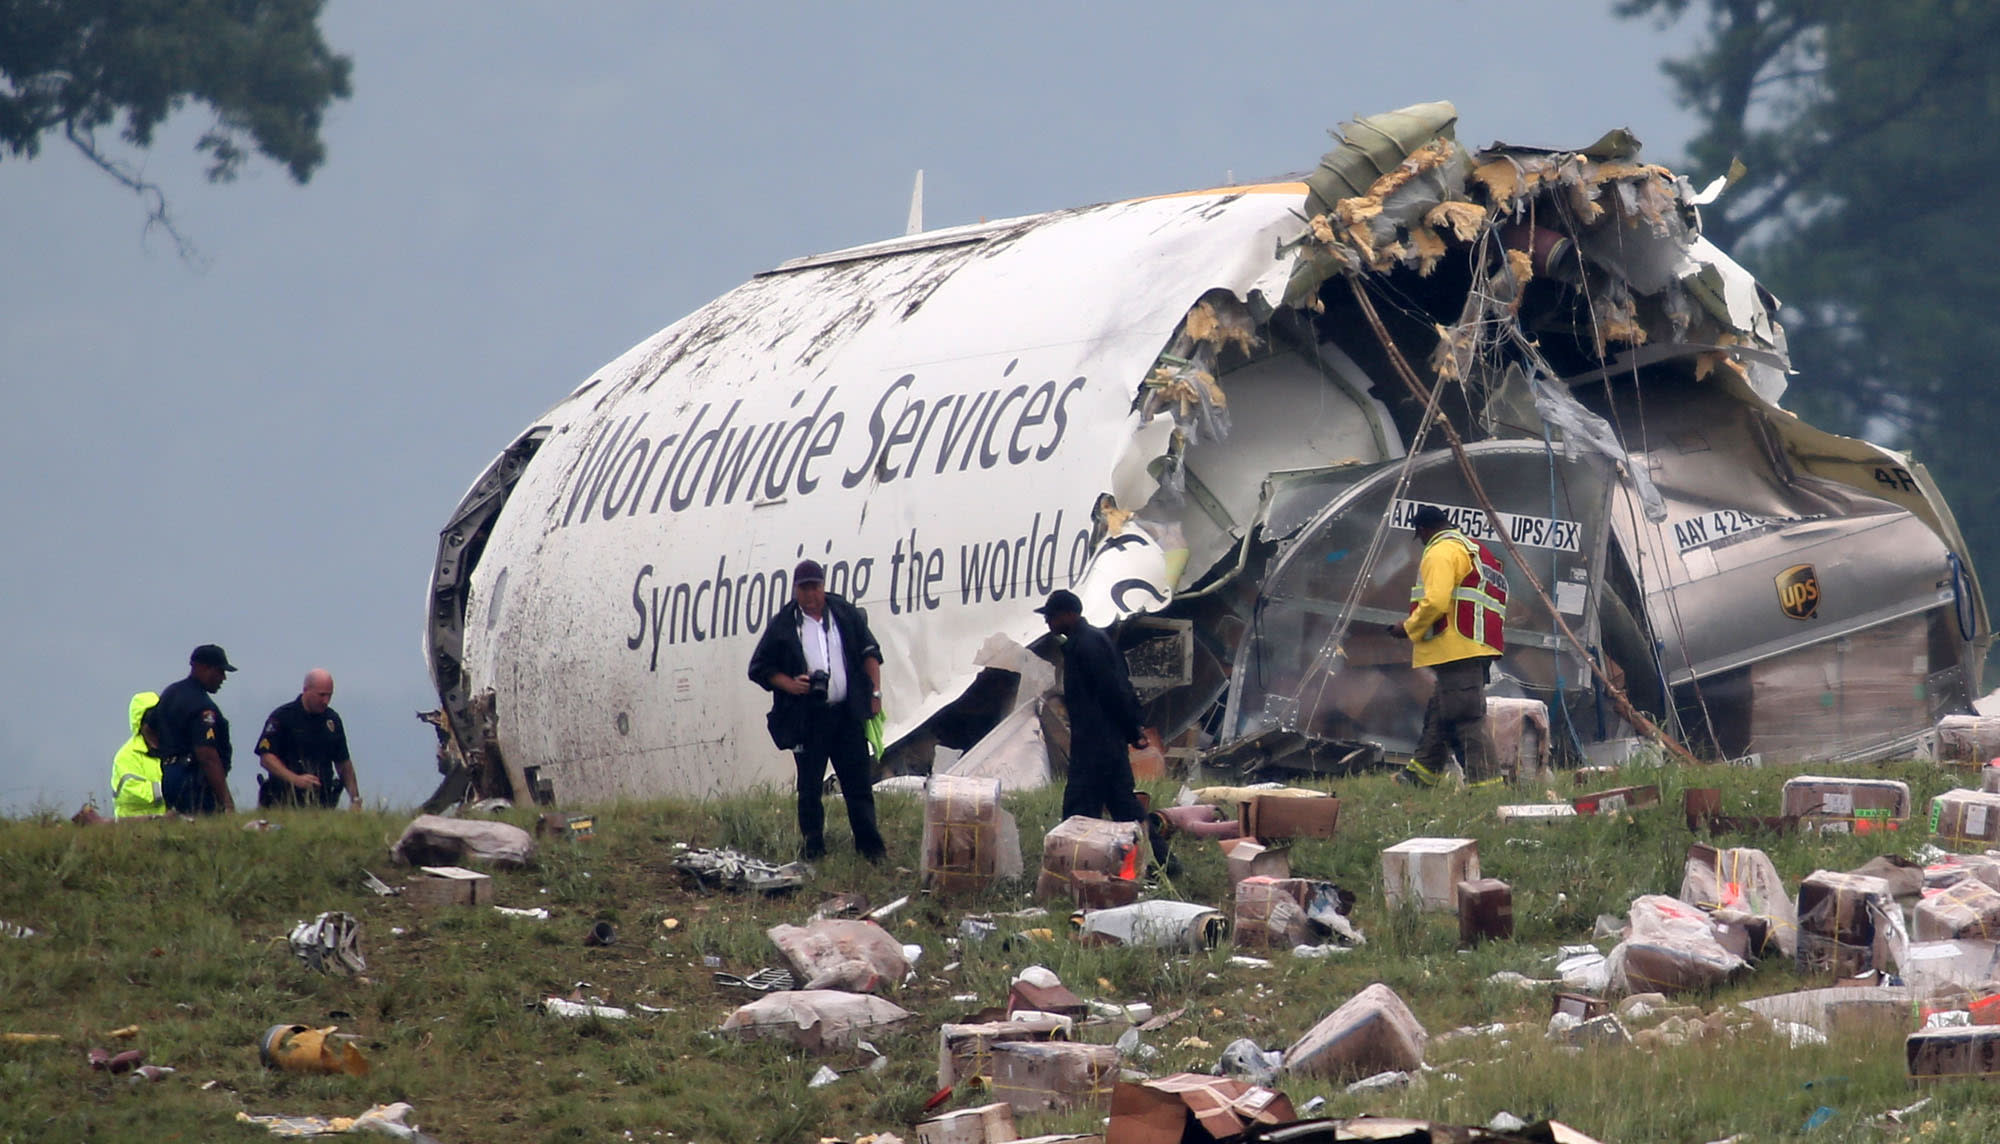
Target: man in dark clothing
[304, 751]
[823, 669]
[1103, 716]
[194, 737]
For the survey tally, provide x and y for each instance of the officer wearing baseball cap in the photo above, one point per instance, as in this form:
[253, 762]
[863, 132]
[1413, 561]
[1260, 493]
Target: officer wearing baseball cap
[194, 737]
[1104, 715]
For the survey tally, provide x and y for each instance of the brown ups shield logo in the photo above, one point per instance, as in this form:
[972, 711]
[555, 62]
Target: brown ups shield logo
[1798, 591]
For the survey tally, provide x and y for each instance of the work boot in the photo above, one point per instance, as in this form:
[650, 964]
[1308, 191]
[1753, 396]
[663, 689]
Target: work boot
[1418, 775]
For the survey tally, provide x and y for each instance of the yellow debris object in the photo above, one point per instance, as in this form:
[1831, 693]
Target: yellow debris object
[301, 1048]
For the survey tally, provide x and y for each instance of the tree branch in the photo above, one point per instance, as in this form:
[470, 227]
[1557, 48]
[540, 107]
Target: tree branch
[155, 198]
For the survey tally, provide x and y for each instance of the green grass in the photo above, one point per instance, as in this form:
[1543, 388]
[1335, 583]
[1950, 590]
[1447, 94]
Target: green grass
[179, 928]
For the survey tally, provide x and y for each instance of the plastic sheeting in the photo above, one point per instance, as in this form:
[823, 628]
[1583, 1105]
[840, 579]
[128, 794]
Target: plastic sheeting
[816, 1020]
[842, 953]
[1741, 881]
[1670, 947]
[433, 840]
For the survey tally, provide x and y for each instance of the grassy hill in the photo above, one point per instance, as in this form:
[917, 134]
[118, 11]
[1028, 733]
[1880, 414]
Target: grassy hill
[180, 928]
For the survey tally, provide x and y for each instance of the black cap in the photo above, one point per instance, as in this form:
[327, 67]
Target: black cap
[1061, 602]
[808, 572]
[210, 655]
[1429, 516]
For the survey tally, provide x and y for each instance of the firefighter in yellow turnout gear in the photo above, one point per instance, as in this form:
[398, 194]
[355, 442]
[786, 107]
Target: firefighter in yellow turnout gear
[1458, 610]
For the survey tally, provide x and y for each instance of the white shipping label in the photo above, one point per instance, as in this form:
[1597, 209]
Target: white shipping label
[1975, 821]
[1837, 802]
[1570, 598]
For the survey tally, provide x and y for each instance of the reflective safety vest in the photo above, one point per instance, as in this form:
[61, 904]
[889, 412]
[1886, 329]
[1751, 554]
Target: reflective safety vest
[1479, 602]
[135, 774]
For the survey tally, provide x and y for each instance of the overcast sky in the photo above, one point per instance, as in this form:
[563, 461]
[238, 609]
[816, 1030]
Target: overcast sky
[260, 453]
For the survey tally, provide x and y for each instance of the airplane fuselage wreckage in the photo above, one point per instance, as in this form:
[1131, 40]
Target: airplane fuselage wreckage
[1211, 414]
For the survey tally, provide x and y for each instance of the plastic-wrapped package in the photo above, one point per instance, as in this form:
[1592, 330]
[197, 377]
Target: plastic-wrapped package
[1956, 868]
[966, 1051]
[1373, 1032]
[1741, 879]
[1038, 1076]
[970, 840]
[1520, 730]
[814, 1019]
[1110, 848]
[1849, 924]
[1269, 914]
[1670, 947]
[1966, 818]
[857, 955]
[1968, 739]
[1859, 803]
[1969, 908]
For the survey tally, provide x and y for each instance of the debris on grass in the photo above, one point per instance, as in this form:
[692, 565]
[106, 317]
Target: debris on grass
[330, 943]
[724, 869]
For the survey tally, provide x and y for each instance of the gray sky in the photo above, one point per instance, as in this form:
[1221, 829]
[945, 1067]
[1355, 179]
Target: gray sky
[261, 453]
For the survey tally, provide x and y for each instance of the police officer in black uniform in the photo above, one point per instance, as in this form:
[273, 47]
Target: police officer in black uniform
[194, 737]
[304, 751]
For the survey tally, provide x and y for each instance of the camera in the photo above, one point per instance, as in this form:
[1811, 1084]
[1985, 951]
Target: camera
[816, 686]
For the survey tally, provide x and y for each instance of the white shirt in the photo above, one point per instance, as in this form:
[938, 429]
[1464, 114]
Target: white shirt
[824, 652]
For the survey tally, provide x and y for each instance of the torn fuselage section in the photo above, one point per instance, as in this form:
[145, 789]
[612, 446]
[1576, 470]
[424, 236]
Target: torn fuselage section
[1751, 585]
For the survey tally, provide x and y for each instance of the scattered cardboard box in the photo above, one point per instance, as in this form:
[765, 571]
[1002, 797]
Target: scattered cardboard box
[965, 1051]
[1080, 843]
[1428, 871]
[1249, 858]
[970, 840]
[1485, 911]
[1373, 1032]
[987, 1124]
[1948, 1054]
[1969, 908]
[1966, 817]
[1967, 740]
[1582, 1006]
[1835, 804]
[1841, 917]
[1048, 1076]
[1617, 799]
[1188, 1108]
[449, 886]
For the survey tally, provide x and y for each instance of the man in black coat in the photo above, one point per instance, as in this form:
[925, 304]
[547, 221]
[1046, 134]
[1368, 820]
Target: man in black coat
[1104, 716]
[194, 737]
[823, 669]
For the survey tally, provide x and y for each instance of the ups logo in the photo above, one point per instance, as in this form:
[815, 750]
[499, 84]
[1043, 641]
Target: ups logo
[1798, 591]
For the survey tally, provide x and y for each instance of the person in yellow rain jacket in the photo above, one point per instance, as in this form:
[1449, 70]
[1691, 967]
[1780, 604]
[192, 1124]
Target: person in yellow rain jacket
[1458, 609]
[135, 770]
